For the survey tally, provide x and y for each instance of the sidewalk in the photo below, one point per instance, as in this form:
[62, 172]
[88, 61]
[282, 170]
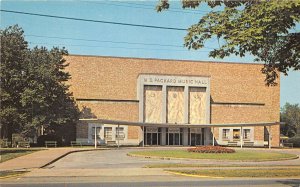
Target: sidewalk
[39, 159]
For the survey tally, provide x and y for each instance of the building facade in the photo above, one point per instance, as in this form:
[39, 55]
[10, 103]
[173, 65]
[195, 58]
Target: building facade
[171, 92]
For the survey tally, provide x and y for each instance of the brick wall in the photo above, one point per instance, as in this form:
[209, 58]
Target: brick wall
[110, 78]
[133, 132]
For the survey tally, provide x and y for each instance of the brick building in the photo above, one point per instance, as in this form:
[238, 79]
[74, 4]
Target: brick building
[173, 102]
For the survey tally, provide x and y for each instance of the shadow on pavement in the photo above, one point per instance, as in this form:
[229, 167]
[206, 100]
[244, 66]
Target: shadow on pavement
[291, 182]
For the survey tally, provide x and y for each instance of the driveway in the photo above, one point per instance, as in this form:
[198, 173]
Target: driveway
[117, 158]
[113, 167]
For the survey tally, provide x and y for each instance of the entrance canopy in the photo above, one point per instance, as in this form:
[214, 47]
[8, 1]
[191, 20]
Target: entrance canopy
[144, 124]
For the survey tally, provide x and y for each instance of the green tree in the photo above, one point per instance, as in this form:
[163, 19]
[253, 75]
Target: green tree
[290, 114]
[42, 97]
[14, 50]
[265, 29]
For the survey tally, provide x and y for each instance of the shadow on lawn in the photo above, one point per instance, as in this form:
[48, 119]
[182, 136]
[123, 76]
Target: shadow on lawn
[6, 151]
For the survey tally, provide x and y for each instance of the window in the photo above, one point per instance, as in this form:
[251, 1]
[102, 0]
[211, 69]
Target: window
[97, 132]
[246, 134]
[236, 134]
[108, 133]
[225, 134]
[120, 133]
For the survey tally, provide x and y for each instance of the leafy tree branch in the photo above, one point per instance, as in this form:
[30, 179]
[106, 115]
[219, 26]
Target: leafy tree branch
[265, 29]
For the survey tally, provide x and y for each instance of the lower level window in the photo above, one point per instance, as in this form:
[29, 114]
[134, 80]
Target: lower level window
[120, 132]
[236, 134]
[246, 134]
[97, 132]
[108, 132]
[225, 134]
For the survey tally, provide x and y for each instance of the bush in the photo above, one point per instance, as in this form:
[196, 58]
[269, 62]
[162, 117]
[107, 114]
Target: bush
[211, 149]
[41, 140]
[295, 140]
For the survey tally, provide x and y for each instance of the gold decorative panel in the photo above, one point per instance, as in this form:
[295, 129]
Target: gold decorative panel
[197, 105]
[153, 104]
[175, 104]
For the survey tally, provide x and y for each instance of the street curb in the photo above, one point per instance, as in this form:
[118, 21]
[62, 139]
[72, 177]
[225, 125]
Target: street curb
[191, 159]
[230, 178]
[191, 175]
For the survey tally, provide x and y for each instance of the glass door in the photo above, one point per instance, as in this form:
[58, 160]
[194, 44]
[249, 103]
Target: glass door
[174, 136]
[171, 139]
[152, 135]
[176, 140]
[195, 137]
[198, 139]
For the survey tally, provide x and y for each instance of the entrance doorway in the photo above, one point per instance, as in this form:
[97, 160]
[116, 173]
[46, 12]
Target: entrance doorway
[152, 136]
[174, 136]
[196, 139]
[196, 136]
[174, 139]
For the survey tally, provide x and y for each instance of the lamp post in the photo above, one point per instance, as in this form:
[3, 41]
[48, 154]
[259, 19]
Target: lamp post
[241, 137]
[143, 136]
[270, 137]
[118, 135]
[95, 136]
[213, 139]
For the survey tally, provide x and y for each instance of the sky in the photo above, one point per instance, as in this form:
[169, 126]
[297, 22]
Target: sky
[94, 38]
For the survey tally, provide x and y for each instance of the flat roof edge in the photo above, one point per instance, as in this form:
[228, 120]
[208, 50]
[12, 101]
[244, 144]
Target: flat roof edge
[166, 59]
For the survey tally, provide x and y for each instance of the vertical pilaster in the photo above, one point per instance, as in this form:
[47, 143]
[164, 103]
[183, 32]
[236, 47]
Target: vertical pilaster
[164, 104]
[186, 104]
[185, 136]
[141, 102]
[141, 109]
[208, 120]
[163, 136]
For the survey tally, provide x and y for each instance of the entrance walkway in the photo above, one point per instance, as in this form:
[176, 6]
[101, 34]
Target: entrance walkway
[38, 159]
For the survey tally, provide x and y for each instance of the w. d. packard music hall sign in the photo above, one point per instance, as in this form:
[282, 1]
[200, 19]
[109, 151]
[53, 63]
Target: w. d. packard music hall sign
[136, 101]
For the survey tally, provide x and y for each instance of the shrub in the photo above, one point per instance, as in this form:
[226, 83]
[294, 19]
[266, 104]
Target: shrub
[41, 140]
[211, 149]
[295, 140]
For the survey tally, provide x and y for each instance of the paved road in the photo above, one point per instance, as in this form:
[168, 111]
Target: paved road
[115, 168]
[206, 182]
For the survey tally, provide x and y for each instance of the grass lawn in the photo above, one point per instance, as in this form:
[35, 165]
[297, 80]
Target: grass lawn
[238, 155]
[10, 153]
[10, 173]
[268, 173]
